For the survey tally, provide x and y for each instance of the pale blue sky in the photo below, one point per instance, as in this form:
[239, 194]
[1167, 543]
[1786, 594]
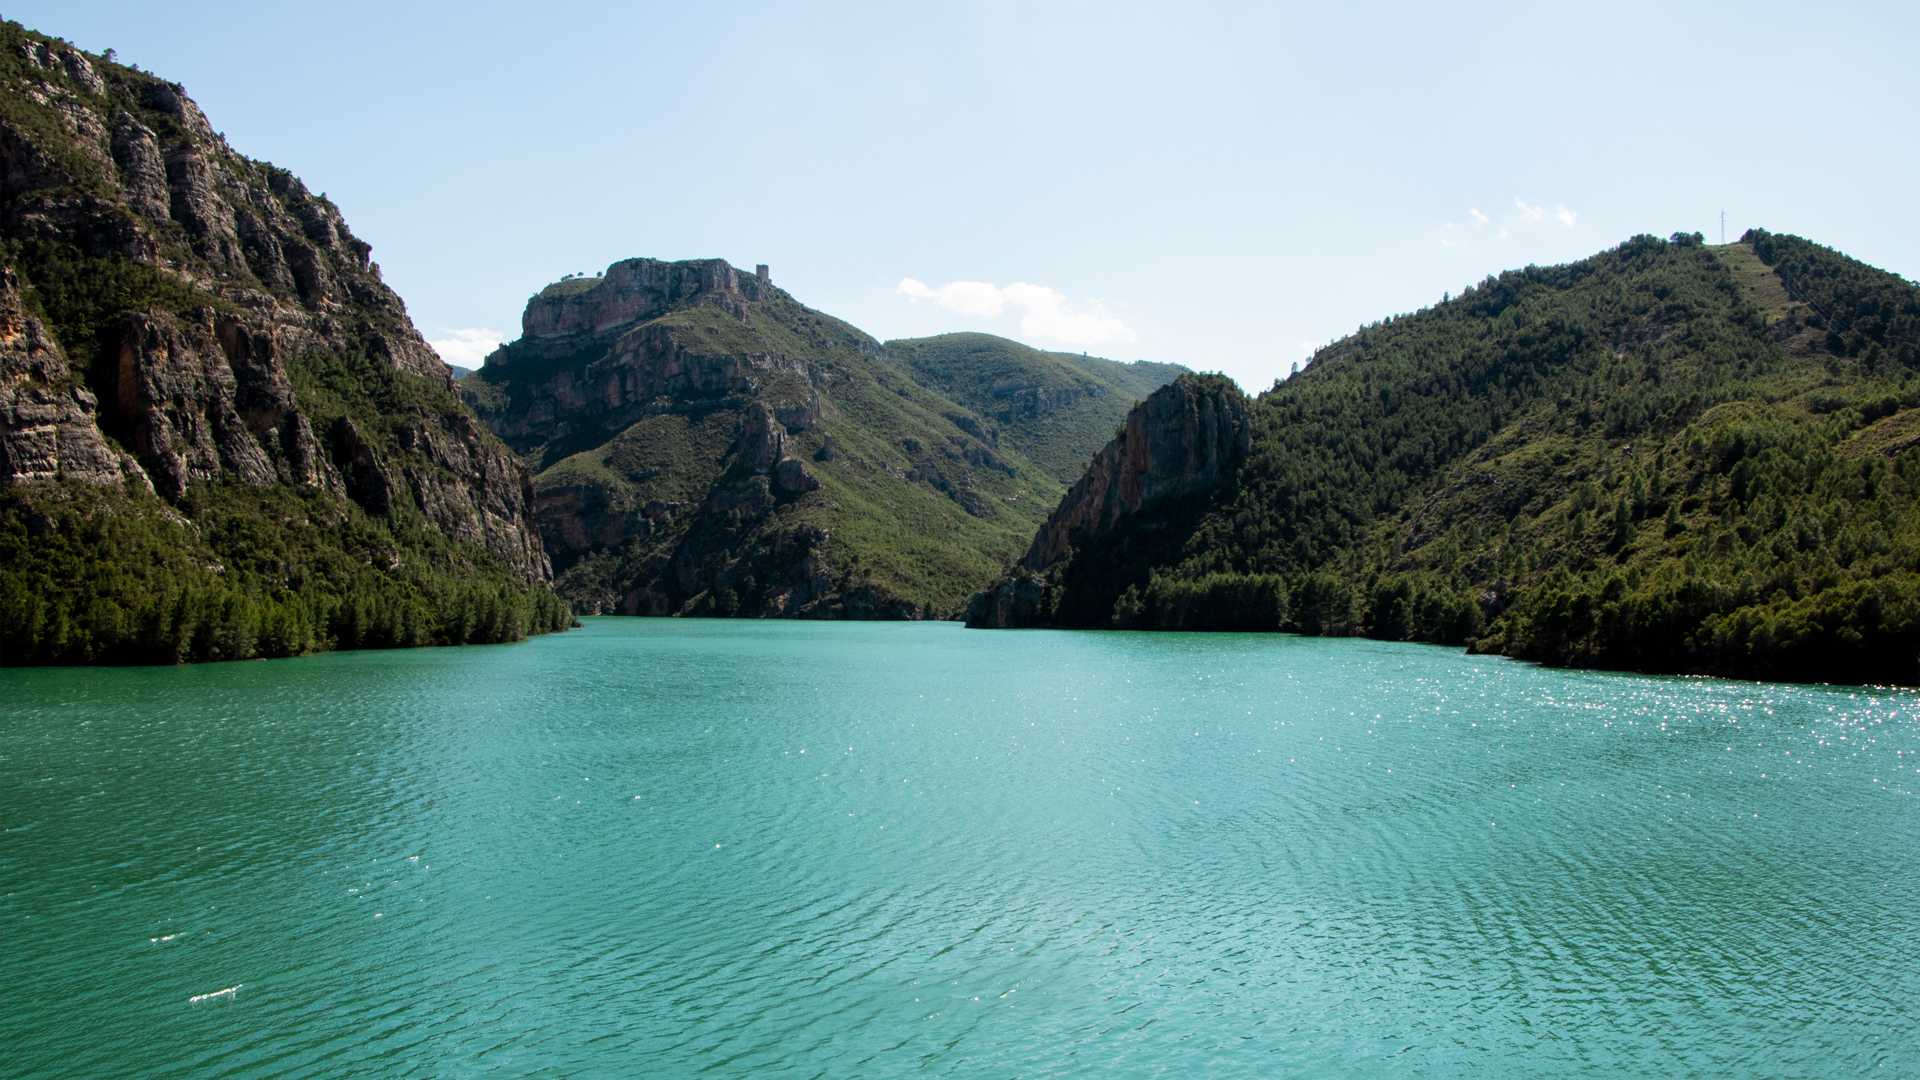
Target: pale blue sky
[1216, 185]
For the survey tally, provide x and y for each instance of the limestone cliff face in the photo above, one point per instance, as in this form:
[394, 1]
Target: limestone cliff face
[633, 291]
[47, 419]
[678, 359]
[594, 354]
[1186, 438]
[1185, 441]
[558, 399]
[173, 313]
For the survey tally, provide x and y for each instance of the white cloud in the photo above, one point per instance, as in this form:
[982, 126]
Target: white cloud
[965, 297]
[1537, 213]
[466, 347]
[1045, 312]
[1501, 226]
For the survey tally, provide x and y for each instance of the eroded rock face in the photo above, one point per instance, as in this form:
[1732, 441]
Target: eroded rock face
[633, 291]
[198, 207]
[251, 278]
[169, 393]
[602, 384]
[649, 340]
[726, 564]
[761, 450]
[792, 480]
[762, 442]
[579, 519]
[143, 171]
[47, 428]
[1019, 599]
[474, 490]
[1188, 439]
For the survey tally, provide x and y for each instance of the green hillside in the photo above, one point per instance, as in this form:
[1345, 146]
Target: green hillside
[1667, 457]
[1056, 408]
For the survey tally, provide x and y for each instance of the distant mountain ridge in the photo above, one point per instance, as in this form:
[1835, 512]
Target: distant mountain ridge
[705, 444]
[1667, 457]
[1054, 407]
[220, 435]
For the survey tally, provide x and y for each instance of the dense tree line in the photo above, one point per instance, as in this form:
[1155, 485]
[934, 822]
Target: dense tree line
[88, 576]
[1770, 547]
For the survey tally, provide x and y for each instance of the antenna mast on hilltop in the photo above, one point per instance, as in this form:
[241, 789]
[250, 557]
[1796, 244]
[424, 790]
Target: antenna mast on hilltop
[1723, 226]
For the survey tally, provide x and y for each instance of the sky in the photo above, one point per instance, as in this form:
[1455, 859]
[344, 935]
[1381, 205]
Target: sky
[1224, 186]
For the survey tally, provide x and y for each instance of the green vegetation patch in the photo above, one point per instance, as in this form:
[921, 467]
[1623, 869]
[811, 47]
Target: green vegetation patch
[1057, 409]
[1626, 462]
[570, 286]
[92, 575]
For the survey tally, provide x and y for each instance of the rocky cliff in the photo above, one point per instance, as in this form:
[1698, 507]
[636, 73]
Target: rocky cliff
[1184, 440]
[1181, 446]
[705, 444]
[634, 291]
[177, 317]
[48, 419]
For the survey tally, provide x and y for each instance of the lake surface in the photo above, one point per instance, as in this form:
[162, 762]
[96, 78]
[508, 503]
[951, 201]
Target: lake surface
[677, 848]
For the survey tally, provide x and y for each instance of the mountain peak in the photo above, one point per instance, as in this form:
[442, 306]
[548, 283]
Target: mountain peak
[706, 444]
[635, 290]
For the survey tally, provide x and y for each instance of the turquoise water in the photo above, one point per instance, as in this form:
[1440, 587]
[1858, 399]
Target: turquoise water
[678, 848]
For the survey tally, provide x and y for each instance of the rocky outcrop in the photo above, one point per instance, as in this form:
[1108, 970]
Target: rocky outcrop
[47, 418]
[761, 450]
[1187, 438]
[792, 480]
[646, 340]
[143, 171]
[634, 291]
[566, 389]
[202, 295]
[1185, 441]
[579, 519]
[1018, 599]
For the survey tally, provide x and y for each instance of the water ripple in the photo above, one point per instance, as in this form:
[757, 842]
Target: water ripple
[680, 848]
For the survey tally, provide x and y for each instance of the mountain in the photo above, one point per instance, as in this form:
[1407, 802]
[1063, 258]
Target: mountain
[1667, 457]
[220, 435]
[1056, 408]
[705, 444]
